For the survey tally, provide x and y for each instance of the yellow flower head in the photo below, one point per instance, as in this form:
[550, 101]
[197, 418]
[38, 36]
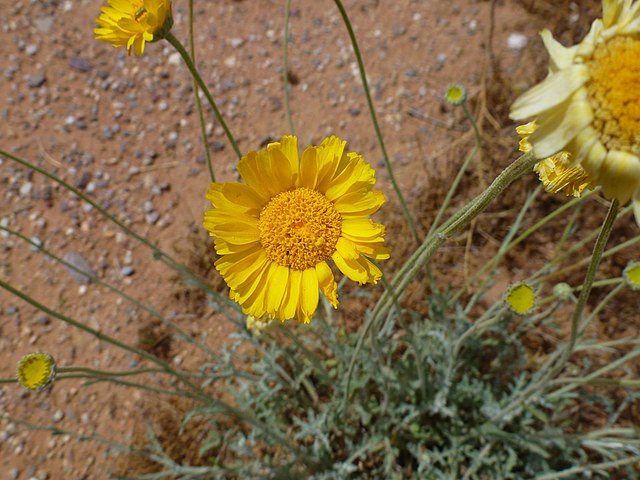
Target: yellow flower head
[521, 298]
[631, 275]
[589, 104]
[276, 232]
[456, 94]
[36, 370]
[131, 23]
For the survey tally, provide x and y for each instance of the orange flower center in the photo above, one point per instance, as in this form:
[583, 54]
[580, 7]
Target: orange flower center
[299, 228]
[614, 94]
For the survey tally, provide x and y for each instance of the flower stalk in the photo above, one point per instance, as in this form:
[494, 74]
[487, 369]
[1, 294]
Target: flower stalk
[198, 79]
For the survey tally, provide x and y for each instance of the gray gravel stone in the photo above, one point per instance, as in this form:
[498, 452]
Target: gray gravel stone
[79, 262]
[80, 64]
[127, 271]
[36, 80]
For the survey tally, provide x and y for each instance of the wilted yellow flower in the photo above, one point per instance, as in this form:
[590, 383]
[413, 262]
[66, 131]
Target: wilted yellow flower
[556, 172]
[36, 370]
[276, 232]
[131, 23]
[521, 298]
[589, 104]
[257, 325]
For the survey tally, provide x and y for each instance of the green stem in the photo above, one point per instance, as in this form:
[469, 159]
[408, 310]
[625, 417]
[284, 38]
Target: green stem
[196, 76]
[158, 253]
[374, 119]
[106, 338]
[556, 364]
[92, 380]
[430, 245]
[285, 66]
[152, 311]
[196, 96]
[491, 264]
[104, 373]
[461, 171]
[598, 249]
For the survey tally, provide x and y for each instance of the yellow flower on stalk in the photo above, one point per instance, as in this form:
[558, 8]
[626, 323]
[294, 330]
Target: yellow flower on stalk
[36, 370]
[589, 104]
[131, 23]
[276, 232]
[521, 298]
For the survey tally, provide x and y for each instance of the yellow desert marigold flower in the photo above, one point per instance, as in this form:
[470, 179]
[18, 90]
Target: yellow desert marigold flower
[275, 233]
[132, 23]
[589, 104]
[36, 370]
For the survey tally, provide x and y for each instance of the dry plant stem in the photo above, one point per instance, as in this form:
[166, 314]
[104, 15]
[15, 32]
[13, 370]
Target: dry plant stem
[374, 119]
[152, 311]
[108, 339]
[196, 97]
[196, 76]
[80, 436]
[430, 245]
[632, 355]
[463, 168]
[285, 66]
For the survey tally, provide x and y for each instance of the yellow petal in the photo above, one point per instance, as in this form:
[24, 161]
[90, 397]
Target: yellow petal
[552, 91]
[360, 270]
[308, 295]
[278, 280]
[292, 296]
[560, 56]
[327, 283]
[360, 203]
[619, 175]
[560, 125]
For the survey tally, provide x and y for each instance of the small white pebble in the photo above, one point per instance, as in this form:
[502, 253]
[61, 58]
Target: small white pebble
[517, 41]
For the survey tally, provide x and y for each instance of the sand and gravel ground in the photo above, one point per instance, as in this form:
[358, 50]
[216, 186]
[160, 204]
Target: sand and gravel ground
[124, 130]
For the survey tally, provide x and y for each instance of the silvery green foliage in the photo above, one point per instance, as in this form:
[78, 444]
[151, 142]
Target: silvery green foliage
[417, 407]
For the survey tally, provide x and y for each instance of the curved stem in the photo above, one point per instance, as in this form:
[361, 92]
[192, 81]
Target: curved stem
[285, 66]
[461, 171]
[106, 338]
[149, 309]
[158, 253]
[196, 76]
[374, 119]
[430, 245]
[598, 249]
[196, 96]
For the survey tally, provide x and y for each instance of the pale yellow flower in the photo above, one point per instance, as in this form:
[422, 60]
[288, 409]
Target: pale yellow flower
[589, 104]
[276, 232]
[132, 23]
